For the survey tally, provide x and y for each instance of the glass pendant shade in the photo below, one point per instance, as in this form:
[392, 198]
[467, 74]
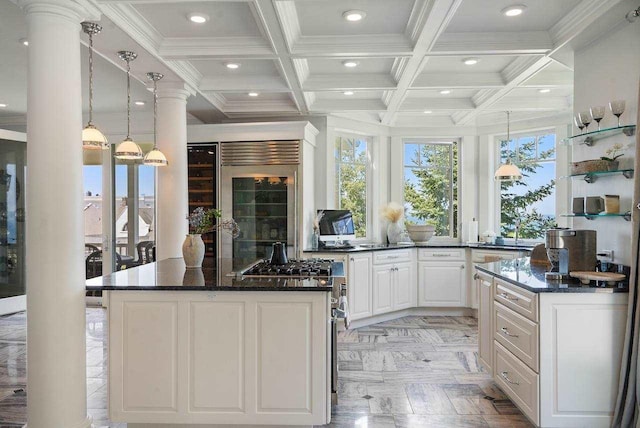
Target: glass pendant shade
[128, 149]
[508, 172]
[155, 158]
[93, 139]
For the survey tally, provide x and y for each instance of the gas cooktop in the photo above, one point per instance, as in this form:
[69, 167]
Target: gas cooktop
[309, 268]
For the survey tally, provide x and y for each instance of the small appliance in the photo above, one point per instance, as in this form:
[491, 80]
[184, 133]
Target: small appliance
[570, 250]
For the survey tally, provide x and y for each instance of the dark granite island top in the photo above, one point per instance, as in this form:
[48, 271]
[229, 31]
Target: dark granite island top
[384, 247]
[171, 275]
[522, 273]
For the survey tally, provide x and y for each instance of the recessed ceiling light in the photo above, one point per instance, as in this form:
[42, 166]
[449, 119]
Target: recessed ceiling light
[24, 41]
[445, 92]
[428, 112]
[350, 63]
[3, 105]
[139, 103]
[470, 61]
[232, 65]
[253, 94]
[198, 18]
[354, 15]
[515, 10]
[348, 92]
[544, 91]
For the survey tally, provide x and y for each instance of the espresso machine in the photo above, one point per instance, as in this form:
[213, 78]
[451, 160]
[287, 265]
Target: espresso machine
[570, 250]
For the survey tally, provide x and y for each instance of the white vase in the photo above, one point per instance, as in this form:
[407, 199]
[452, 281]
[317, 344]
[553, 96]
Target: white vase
[394, 232]
[193, 250]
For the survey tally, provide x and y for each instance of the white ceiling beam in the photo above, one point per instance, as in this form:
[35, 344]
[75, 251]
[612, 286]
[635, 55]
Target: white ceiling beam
[434, 16]
[501, 43]
[243, 83]
[333, 105]
[208, 47]
[257, 106]
[268, 16]
[458, 80]
[530, 104]
[336, 82]
[382, 45]
[421, 104]
[550, 79]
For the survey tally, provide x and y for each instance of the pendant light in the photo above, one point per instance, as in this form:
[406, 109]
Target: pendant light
[508, 171]
[92, 138]
[128, 149]
[155, 157]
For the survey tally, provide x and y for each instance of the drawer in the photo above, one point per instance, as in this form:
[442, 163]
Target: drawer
[391, 256]
[518, 381]
[518, 299]
[518, 334]
[441, 254]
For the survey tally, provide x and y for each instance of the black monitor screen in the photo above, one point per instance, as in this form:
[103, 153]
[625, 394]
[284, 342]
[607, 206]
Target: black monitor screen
[336, 222]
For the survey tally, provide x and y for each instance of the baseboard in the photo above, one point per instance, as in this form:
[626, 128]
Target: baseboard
[375, 319]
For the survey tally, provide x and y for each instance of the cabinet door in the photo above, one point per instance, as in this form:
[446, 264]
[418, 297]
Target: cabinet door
[382, 289]
[484, 286]
[359, 284]
[441, 284]
[404, 286]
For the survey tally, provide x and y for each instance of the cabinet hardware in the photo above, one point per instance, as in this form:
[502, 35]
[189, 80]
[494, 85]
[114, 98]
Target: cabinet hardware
[508, 297]
[506, 332]
[461, 267]
[505, 376]
[441, 255]
[476, 276]
[352, 259]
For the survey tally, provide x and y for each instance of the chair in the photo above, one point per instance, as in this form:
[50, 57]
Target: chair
[93, 264]
[89, 248]
[145, 251]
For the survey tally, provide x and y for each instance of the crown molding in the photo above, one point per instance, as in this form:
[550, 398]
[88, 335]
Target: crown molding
[530, 104]
[301, 66]
[253, 106]
[418, 19]
[332, 105]
[288, 19]
[550, 79]
[129, 20]
[353, 46]
[342, 81]
[225, 83]
[421, 104]
[482, 96]
[194, 47]
[522, 65]
[578, 19]
[398, 67]
[187, 71]
[460, 80]
[486, 43]
[386, 97]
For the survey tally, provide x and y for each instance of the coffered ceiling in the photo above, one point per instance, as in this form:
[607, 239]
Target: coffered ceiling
[408, 56]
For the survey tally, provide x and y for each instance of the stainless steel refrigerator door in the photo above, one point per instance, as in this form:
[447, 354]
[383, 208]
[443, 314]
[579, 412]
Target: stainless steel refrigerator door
[263, 201]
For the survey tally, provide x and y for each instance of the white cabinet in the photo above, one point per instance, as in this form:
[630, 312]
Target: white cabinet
[485, 320]
[382, 289]
[393, 287]
[405, 289]
[442, 283]
[359, 284]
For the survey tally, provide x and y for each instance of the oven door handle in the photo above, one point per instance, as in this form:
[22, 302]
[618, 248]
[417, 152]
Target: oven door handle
[342, 311]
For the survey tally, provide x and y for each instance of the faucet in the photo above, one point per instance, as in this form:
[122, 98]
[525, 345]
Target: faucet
[517, 225]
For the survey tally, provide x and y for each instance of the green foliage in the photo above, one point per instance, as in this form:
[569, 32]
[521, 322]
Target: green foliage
[351, 175]
[515, 206]
[432, 196]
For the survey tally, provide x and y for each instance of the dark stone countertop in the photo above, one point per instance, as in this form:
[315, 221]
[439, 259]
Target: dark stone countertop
[522, 273]
[171, 275]
[385, 247]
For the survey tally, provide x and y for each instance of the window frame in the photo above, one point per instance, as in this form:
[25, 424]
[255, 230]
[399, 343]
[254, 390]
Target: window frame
[453, 222]
[337, 162]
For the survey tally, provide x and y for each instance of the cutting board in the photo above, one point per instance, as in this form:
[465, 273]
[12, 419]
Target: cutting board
[585, 276]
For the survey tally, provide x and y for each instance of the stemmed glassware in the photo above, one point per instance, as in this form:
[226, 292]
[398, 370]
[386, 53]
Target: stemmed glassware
[597, 113]
[585, 118]
[578, 122]
[617, 108]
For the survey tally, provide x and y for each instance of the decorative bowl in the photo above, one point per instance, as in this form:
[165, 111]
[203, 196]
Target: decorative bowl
[420, 232]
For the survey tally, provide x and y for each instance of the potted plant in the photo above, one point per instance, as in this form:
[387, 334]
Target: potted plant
[203, 221]
[393, 212]
[612, 155]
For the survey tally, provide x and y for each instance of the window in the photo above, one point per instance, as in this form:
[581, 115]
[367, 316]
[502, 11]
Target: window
[531, 200]
[352, 159]
[431, 185]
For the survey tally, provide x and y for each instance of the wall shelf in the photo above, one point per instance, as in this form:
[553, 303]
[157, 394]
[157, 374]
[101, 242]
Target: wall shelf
[589, 138]
[626, 216]
[591, 177]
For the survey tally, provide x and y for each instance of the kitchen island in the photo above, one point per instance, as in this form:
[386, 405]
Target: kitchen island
[190, 346]
[553, 347]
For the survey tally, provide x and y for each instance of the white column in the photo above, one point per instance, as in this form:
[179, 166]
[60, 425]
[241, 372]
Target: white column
[56, 353]
[172, 193]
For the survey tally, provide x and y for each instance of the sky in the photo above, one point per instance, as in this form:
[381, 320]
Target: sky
[93, 180]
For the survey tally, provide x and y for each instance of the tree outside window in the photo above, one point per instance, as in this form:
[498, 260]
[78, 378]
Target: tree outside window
[431, 185]
[532, 199]
[351, 157]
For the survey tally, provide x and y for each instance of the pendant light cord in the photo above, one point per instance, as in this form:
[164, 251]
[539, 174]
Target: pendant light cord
[90, 79]
[128, 99]
[155, 113]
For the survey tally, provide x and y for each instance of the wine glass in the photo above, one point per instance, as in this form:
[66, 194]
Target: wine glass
[578, 122]
[585, 117]
[617, 108]
[597, 113]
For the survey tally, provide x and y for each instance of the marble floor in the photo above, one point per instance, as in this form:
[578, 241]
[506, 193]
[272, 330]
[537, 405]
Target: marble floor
[406, 373]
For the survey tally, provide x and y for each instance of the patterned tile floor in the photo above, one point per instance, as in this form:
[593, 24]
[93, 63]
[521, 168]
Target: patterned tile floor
[408, 373]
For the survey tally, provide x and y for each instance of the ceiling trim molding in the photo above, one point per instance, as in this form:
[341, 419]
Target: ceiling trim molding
[127, 18]
[421, 104]
[301, 65]
[186, 69]
[512, 103]
[513, 43]
[399, 64]
[288, 18]
[482, 96]
[224, 83]
[418, 19]
[353, 46]
[333, 82]
[189, 47]
[386, 97]
[260, 106]
[333, 105]
[518, 66]
[577, 19]
[460, 80]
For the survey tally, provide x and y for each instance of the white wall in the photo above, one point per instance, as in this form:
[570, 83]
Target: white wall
[604, 71]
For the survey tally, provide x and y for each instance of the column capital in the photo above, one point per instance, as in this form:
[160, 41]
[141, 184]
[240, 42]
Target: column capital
[176, 90]
[75, 10]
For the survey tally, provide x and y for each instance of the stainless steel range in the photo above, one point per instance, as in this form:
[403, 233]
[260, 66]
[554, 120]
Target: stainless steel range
[328, 273]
